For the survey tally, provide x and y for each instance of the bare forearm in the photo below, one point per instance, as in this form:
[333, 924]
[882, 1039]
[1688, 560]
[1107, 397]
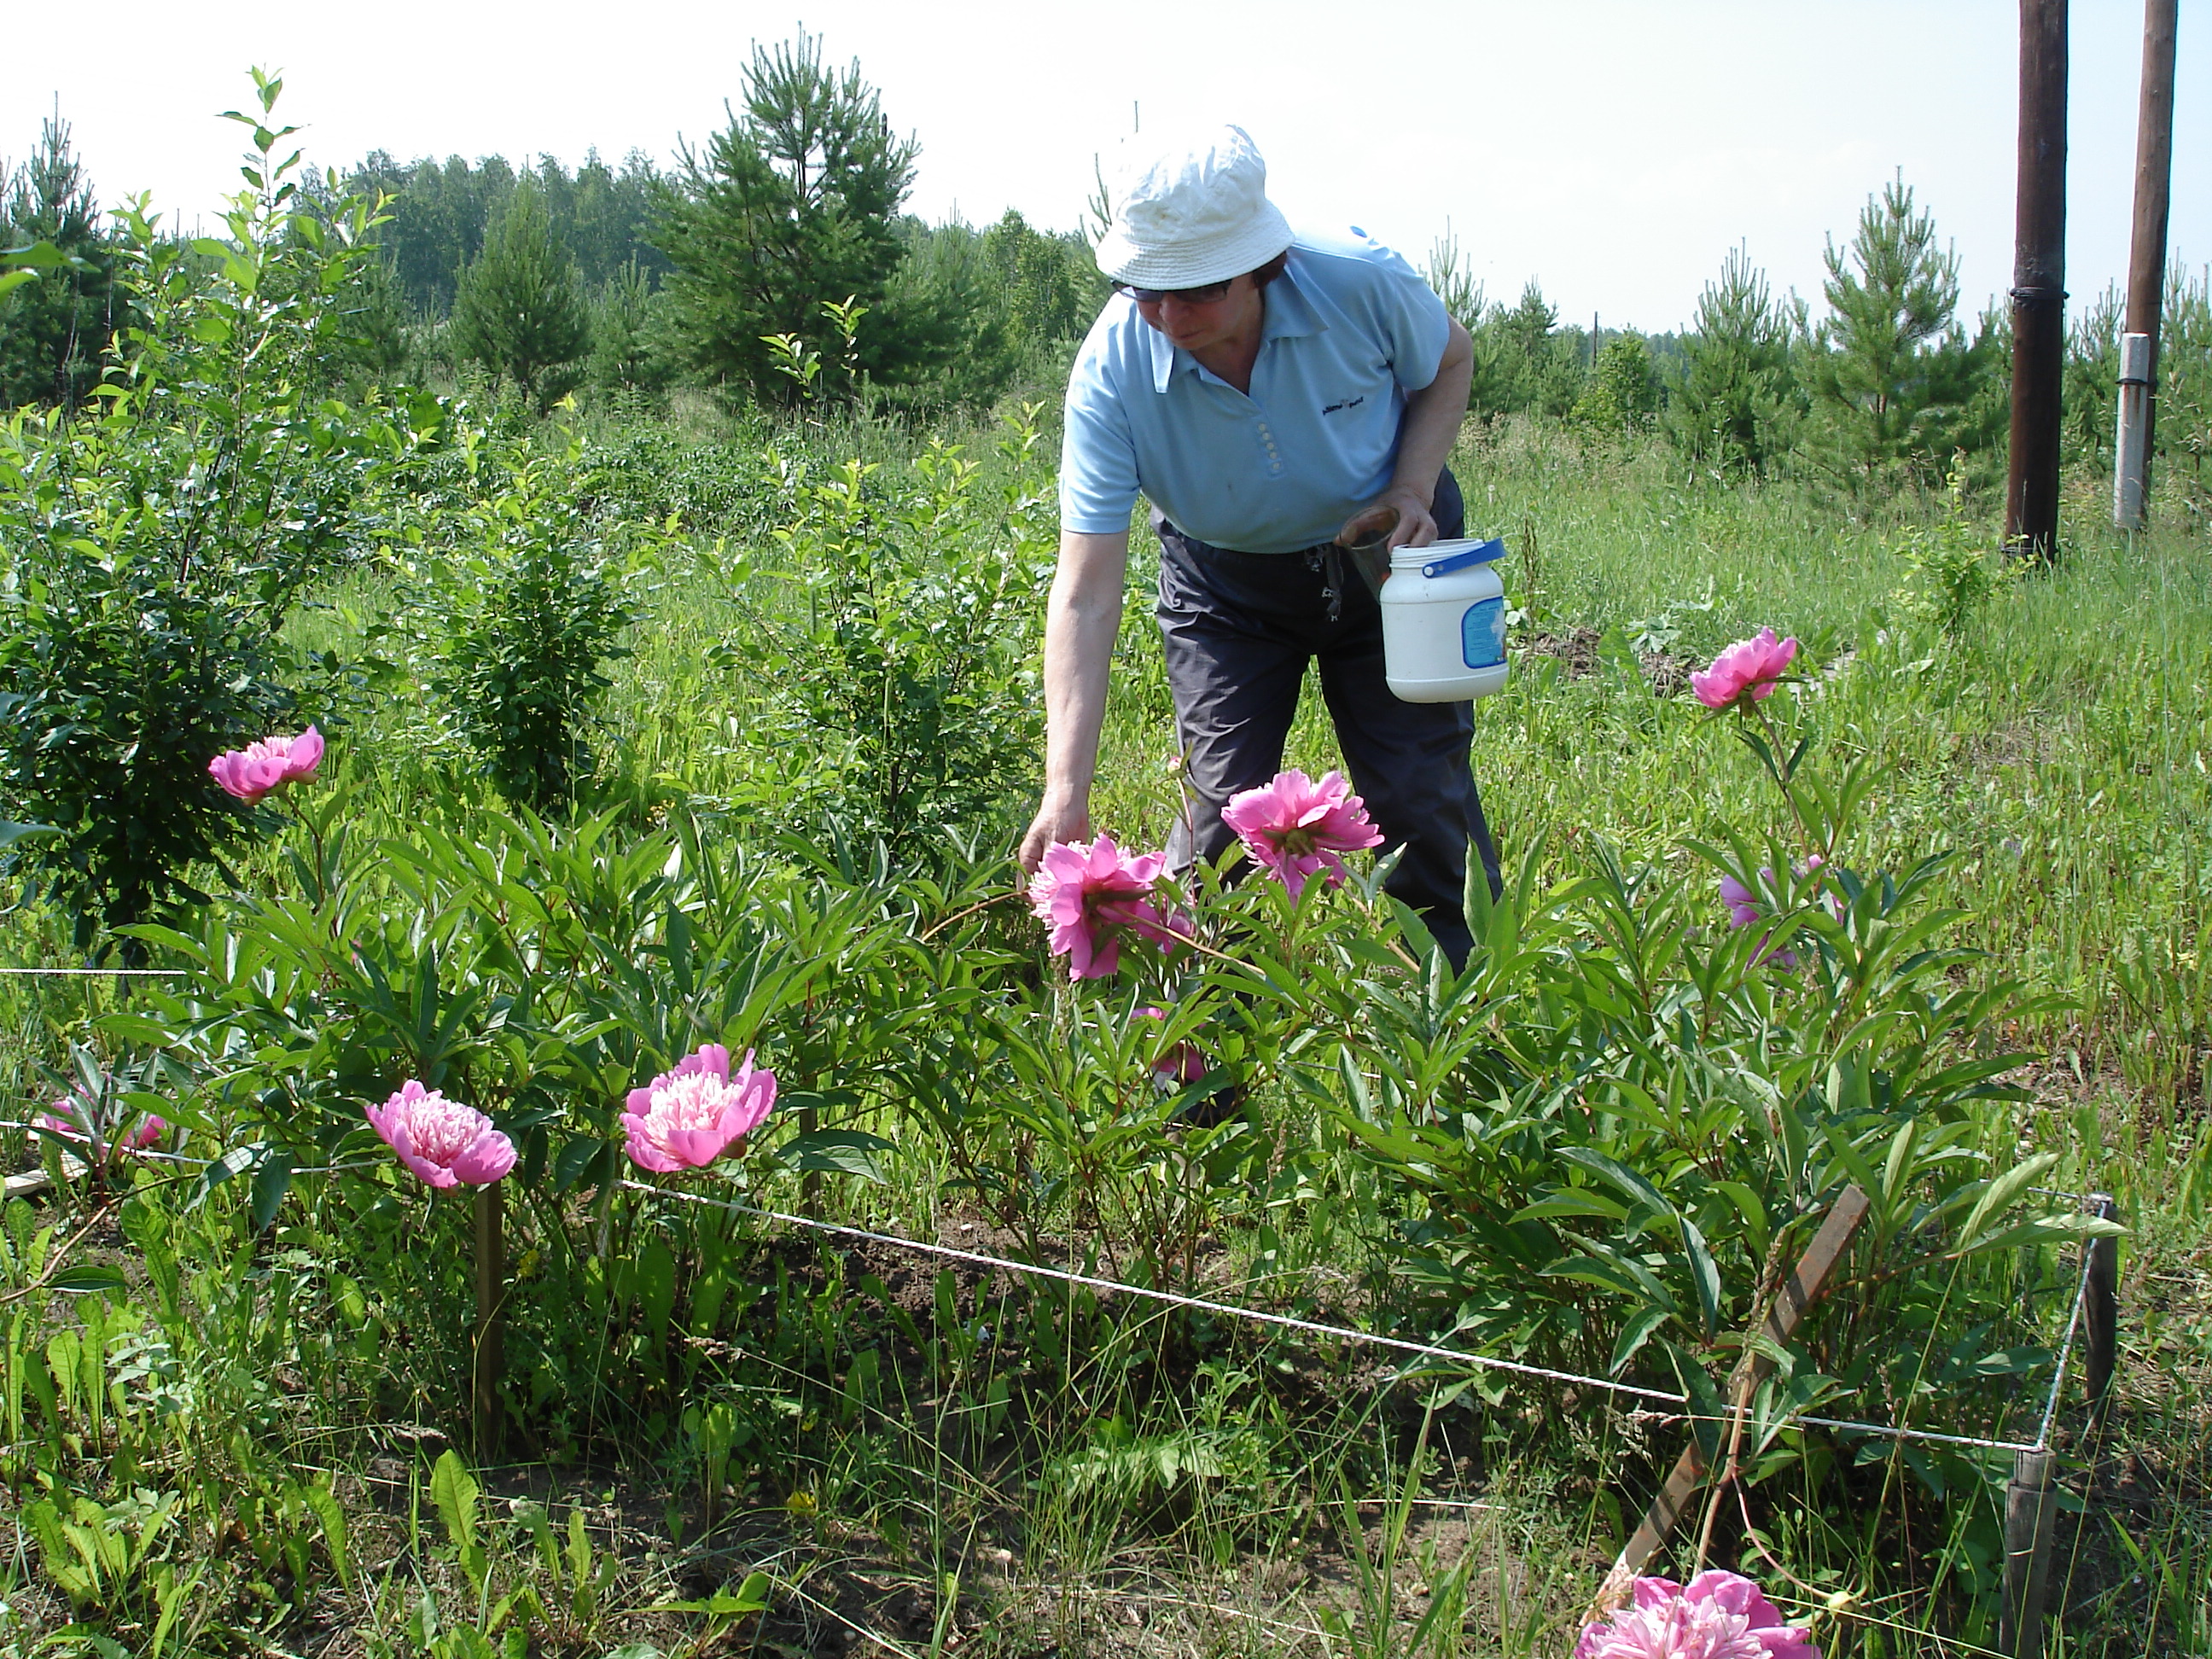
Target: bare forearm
[1432, 419]
[1082, 617]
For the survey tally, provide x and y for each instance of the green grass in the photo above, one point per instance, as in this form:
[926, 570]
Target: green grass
[1184, 1489]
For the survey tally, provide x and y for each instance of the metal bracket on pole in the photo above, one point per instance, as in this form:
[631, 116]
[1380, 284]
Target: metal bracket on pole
[2130, 446]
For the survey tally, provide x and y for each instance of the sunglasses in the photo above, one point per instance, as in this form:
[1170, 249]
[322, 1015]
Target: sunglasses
[1204, 295]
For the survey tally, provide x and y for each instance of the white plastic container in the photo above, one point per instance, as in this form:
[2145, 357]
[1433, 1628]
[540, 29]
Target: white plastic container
[1443, 622]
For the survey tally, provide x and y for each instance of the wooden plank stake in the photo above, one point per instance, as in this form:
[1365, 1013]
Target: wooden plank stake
[2039, 285]
[2146, 265]
[2029, 1513]
[2102, 1312]
[490, 1370]
[1797, 1294]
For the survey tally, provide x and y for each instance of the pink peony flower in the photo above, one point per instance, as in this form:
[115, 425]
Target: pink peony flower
[1089, 895]
[1296, 827]
[1742, 904]
[442, 1141]
[1719, 1615]
[71, 1120]
[1745, 906]
[1746, 672]
[259, 768]
[689, 1116]
[1184, 1063]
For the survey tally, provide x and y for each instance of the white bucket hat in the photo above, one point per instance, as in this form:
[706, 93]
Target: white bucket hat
[1198, 214]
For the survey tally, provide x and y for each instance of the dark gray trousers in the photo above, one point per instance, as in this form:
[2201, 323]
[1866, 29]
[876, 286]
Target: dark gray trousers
[1239, 629]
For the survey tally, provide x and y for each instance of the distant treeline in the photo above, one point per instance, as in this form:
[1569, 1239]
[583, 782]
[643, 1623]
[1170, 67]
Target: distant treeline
[775, 265]
[441, 212]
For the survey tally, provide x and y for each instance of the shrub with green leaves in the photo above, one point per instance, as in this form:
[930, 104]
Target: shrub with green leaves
[526, 621]
[150, 548]
[901, 661]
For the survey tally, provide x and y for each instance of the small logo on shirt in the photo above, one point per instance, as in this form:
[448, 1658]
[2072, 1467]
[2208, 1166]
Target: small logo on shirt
[1351, 403]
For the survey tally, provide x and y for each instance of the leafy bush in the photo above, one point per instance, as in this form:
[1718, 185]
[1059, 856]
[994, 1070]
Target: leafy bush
[902, 662]
[153, 546]
[646, 471]
[542, 601]
[1954, 568]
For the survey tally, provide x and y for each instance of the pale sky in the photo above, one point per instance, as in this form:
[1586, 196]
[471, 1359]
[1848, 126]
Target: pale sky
[1614, 150]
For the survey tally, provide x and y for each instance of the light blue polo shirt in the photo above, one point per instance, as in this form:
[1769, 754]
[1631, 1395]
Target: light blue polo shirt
[1350, 328]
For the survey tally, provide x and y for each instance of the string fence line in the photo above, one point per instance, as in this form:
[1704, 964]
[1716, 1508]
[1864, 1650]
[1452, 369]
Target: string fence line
[155, 1154]
[1375, 1339]
[97, 972]
[1202, 1304]
[1287, 1322]
[2066, 1347]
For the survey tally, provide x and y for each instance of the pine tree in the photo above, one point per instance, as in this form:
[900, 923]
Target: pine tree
[54, 329]
[1734, 405]
[1622, 392]
[624, 353]
[795, 203]
[517, 310]
[1896, 376]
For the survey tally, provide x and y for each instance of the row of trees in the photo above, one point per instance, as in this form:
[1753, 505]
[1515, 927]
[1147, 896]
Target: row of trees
[441, 214]
[1888, 379]
[776, 262]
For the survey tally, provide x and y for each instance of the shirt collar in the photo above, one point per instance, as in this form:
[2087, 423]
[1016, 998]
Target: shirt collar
[1288, 314]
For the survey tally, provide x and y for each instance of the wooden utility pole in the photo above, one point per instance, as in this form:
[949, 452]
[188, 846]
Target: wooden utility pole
[2039, 284]
[2101, 1306]
[2138, 399]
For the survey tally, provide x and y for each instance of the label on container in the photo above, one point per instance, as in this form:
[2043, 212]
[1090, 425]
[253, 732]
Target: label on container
[1482, 634]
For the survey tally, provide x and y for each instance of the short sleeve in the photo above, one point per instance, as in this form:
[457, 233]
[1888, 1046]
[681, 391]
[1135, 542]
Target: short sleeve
[1411, 319]
[1097, 455]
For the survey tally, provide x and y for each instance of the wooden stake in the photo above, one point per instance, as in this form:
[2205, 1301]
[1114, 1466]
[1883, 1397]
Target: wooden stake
[490, 1370]
[2101, 1311]
[1797, 1294]
[2039, 284]
[2029, 1513]
[2147, 261]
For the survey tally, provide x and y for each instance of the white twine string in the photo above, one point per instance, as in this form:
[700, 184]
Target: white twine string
[1346, 1332]
[100, 973]
[1287, 1322]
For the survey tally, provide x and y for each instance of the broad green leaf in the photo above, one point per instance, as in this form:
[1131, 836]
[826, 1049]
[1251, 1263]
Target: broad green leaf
[836, 1151]
[1704, 1275]
[1640, 1329]
[454, 1491]
[88, 1277]
[272, 1179]
[1619, 1175]
[1999, 1196]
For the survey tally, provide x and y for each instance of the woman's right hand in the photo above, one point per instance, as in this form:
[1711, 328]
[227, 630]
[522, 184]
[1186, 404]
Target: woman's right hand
[1055, 821]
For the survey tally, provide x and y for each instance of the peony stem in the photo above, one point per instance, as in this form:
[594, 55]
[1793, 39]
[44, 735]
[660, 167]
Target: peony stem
[489, 1373]
[1812, 842]
[319, 892]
